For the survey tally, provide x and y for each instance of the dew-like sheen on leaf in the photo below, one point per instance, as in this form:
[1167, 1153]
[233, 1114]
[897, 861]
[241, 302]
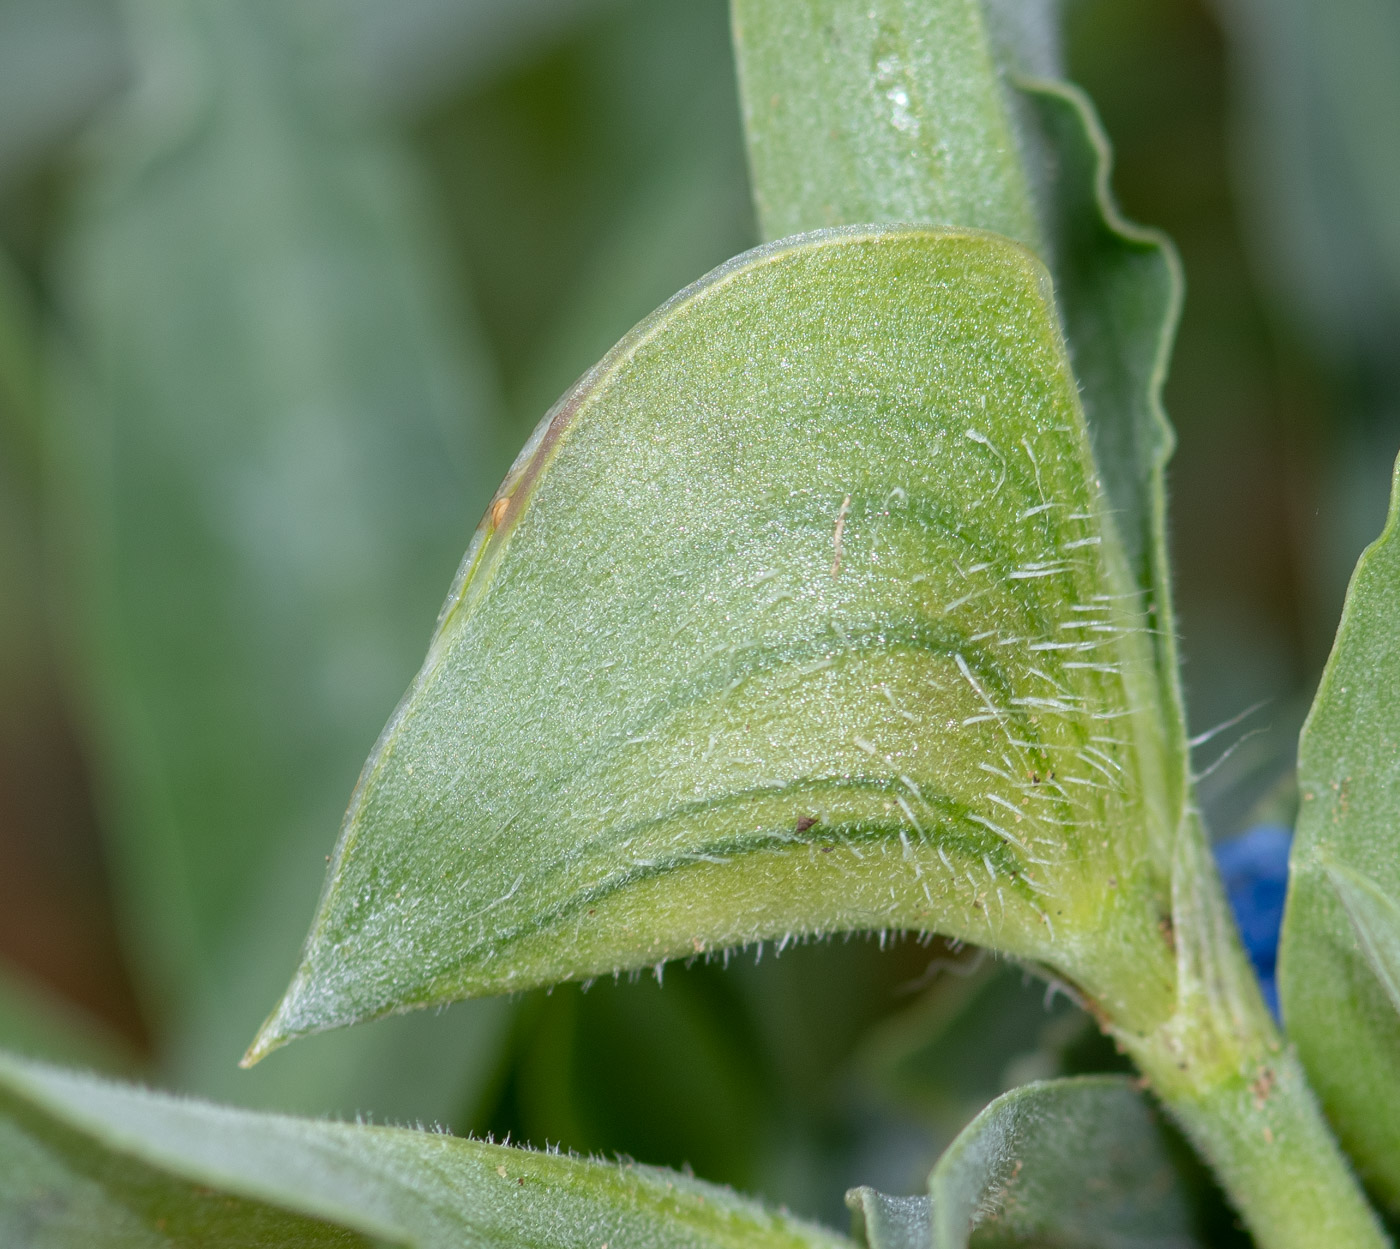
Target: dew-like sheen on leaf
[800, 613]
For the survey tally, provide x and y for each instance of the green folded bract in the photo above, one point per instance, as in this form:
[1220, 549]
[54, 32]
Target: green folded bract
[802, 612]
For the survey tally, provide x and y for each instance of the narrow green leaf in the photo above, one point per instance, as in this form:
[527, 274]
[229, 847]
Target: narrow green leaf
[1337, 949]
[800, 613]
[88, 1164]
[892, 111]
[1118, 289]
[267, 468]
[1080, 1163]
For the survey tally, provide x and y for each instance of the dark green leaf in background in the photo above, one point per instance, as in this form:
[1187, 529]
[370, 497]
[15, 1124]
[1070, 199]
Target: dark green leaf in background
[81, 1158]
[269, 460]
[1339, 942]
[59, 61]
[985, 1028]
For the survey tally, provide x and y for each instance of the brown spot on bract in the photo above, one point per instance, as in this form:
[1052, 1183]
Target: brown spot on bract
[498, 511]
[1168, 931]
[804, 822]
[1262, 1085]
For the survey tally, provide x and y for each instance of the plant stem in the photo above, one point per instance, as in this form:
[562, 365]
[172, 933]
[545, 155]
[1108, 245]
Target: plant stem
[1235, 1087]
[1265, 1137]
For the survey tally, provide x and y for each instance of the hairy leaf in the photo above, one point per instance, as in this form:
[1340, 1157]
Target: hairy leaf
[1338, 944]
[950, 113]
[88, 1164]
[265, 471]
[800, 613]
[1080, 1164]
[885, 1222]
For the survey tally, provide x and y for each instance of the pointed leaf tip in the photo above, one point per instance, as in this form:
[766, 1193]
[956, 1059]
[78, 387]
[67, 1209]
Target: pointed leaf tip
[805, 616]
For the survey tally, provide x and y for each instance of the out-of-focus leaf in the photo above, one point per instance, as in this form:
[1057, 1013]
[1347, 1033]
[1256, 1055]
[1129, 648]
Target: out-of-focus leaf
[268, 462]
[1319, 102]
[979, 1032]
[689, 211]
[40, 1025]
[589, 185]
[800, 613]
[87, 1164]
[1337, 1010]
[672, 1074]
[21, 615]
[59, 61]
[414, 50]
[1078, 1164]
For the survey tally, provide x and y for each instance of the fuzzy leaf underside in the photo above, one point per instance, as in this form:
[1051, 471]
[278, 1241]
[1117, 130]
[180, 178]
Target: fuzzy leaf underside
[1345, 876]
[1079, 1162]
[799, 614]
[85, 1163]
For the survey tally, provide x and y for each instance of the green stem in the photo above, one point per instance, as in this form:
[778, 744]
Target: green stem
[1266, 1140]
[1237, 1089]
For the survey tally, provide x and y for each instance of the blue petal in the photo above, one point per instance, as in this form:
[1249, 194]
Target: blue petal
[1254, 867]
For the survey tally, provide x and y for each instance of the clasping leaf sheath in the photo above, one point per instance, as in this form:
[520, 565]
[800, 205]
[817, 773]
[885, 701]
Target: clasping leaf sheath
[801, 612]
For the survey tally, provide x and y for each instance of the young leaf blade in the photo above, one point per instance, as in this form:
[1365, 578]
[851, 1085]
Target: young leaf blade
[88, 1163]
[1335, 1005]
[1081, 1162]
[800, 613]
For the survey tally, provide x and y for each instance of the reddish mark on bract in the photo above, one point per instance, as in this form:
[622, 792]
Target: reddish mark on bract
[498, 511]
[1262, 1086]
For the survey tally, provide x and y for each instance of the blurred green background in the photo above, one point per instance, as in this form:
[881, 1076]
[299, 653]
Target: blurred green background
[284, 284]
